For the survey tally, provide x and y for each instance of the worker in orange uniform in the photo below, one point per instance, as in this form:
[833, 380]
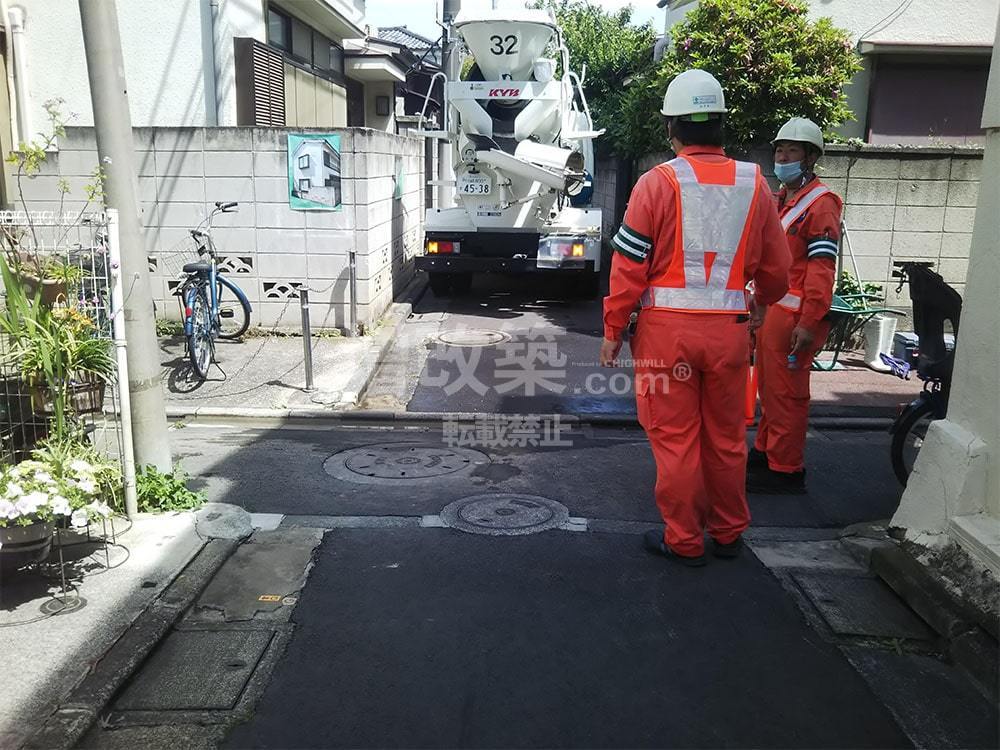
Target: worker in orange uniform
[795, 329]
[697, 229]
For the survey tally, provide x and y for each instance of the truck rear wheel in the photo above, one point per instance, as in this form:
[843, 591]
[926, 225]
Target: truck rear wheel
[461, 283]
[587, 286]
[440, 284]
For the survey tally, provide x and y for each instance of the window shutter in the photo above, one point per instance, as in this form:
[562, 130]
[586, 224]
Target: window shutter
[260, 84]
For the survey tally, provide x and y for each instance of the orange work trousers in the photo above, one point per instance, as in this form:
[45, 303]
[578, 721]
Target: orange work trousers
[691, 375]
[784, 393]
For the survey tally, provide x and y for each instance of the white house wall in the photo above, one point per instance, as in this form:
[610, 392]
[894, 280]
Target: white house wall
[267, 247]
[966, 23]
[167, 53]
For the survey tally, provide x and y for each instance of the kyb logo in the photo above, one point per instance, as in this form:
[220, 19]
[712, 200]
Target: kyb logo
[505, 93]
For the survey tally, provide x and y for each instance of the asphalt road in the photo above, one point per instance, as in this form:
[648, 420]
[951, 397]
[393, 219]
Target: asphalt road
[408, 634]
[534, 350]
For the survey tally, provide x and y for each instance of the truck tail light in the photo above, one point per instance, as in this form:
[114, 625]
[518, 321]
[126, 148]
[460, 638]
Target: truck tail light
[440, 247]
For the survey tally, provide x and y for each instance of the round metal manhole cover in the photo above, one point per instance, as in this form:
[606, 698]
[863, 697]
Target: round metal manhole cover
[504, 514]
[473, 337]
[402, 462]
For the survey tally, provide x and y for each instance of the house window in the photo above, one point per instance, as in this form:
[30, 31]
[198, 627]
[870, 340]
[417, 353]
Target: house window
[278, 29]
[336, 59]
[304, 161]
[304, 185]
[328, 160]
[301, 41]
[321, 51]
[304, 46]
[927, 101]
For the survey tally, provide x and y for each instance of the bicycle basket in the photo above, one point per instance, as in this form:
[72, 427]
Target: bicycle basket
[171, 262]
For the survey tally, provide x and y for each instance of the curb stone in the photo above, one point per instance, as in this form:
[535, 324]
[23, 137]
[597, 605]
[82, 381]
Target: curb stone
[969, 644]
[436, 417]
[85, 703]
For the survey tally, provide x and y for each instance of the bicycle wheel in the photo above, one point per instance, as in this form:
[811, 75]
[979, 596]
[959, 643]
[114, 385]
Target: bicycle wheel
[234, 310]
[200, 343]
[909, 438]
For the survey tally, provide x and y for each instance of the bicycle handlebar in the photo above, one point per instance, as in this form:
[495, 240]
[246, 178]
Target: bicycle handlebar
[226, 206]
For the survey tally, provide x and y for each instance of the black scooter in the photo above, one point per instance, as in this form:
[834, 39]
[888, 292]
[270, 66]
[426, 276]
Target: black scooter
[934, 303]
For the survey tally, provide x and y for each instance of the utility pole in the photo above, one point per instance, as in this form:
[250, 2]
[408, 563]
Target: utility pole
[451, 65]
[115, 148]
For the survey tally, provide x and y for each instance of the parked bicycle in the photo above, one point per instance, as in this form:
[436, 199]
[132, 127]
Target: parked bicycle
[214, 307]
[934, 304]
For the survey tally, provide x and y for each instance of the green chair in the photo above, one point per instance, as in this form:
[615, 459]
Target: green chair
[848, 315]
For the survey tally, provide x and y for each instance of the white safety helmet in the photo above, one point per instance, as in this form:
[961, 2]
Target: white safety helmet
[801, 130]
[694, 94]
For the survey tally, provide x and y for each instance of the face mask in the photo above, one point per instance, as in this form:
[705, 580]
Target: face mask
[788, 173]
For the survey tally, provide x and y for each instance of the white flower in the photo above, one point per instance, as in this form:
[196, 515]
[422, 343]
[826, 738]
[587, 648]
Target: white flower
[87, 486]
[99, 508]
[14, 490]
[79, 518]
[8, 510]
[44, 477]
[31, 502]
[81, 467]
[60, 506]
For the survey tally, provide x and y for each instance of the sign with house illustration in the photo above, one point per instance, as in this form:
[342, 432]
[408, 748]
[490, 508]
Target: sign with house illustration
[314, 172]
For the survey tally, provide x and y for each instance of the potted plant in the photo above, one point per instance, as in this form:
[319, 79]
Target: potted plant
[54, 276]
[56, 352]
[64, 482]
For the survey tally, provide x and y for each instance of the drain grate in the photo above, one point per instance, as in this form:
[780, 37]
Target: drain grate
[395, 462]
[473, 337]
[504, 514]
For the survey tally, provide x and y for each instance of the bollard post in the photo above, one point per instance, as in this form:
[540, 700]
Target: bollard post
[306, 338]
[354, 294]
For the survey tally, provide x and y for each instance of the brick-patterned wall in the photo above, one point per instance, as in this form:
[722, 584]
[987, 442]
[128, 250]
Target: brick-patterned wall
[900, 203]
[907, 204]
[268, 248]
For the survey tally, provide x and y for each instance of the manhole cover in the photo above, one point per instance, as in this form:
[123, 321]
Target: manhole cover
[504, 514]
[401, 462]
[473, 337]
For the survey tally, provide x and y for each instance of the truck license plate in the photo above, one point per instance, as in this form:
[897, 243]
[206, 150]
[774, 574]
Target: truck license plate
[475, 184]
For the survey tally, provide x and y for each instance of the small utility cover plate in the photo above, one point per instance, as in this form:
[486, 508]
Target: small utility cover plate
[505, 514]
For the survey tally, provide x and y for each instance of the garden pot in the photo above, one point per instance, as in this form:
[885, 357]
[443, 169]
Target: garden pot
[84, 396]
[24, 545]
[53, 290]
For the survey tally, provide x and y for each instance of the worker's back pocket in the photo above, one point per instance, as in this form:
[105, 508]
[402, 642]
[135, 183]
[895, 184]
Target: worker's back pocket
[651, 390]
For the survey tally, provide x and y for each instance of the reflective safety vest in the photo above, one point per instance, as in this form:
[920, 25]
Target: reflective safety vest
[714, 211]
[792, 301]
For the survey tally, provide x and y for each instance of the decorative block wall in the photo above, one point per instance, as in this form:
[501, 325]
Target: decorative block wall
[269, 249]
[900, 203]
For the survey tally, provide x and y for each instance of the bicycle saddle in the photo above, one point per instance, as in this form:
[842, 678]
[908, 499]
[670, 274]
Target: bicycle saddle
[201, 266]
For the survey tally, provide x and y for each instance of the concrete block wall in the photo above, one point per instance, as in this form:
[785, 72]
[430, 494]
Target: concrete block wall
[267, 248]
[900, 203]
[904, 203]
[606, 194]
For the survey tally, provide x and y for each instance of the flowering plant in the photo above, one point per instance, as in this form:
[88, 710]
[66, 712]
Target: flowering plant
[61, 480]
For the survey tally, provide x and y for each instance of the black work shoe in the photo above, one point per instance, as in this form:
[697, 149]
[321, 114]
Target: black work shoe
[730, 550]
[765, 481]
[652, 540]
[756, 459]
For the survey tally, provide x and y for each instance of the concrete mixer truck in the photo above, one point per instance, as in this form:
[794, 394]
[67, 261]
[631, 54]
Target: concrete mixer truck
[518, 135]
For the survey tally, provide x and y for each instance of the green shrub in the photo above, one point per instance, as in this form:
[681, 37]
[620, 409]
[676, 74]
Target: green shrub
[613, 51]
[159, 492]
[772, 60]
